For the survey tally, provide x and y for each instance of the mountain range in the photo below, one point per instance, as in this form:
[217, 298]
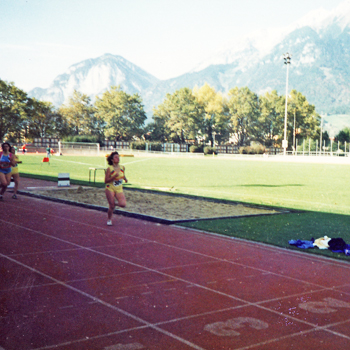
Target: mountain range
[319, 44]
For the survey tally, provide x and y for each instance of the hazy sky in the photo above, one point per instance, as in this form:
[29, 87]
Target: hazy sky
[40, 39]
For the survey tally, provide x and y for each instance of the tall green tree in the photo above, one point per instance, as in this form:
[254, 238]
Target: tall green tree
[123, 114]
[79, 114]
[343, 135]
[13, 105]
[271, 118]
[43, 120]
[243, 109]
[155, 131]
[215, 119]
[180, 115]
[303, 121]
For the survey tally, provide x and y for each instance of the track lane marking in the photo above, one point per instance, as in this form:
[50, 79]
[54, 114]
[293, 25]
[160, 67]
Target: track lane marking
[95, 299]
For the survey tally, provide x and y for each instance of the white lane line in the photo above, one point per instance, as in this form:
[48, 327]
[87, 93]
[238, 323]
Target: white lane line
[257, 304]
[90, 338]
[136, 161]
[261, 245]
[120, 346]
[122, 298]
[294, 335]
[216, 259]
[276, 199]
[162, 270]
[194, 284]
[191, 251]
[71, 161]
[125, 313]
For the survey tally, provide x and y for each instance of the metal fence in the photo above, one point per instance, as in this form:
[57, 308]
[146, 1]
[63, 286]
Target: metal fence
[165, 147]
[174, 149]
[46, 142]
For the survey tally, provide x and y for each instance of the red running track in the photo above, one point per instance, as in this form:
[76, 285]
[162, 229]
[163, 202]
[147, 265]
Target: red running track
[68, 281]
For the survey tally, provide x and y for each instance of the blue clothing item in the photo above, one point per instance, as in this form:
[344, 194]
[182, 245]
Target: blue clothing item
[346, 250]
[302, 244]
[5, 167]
[337, 244]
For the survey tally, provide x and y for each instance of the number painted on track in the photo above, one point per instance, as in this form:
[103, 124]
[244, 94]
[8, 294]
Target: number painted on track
[324, 307]
[133, 346]
[227, 329]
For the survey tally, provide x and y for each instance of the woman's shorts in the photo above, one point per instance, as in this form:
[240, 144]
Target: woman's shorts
[14, 170]
[5, 171]
[114, 189]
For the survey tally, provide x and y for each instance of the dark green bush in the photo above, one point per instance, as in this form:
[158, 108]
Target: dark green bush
[83, 138]
[196, 149]
[256, 149]
[152, 146]
[138, 145]
[210, 150]
[155, 146]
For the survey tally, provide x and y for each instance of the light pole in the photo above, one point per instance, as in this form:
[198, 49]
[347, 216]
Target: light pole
[321, 136]
[287, 58]
[294, 149]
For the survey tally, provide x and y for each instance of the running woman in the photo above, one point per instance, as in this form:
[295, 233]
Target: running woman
[15, 172]
[115, 174]
[6, 162]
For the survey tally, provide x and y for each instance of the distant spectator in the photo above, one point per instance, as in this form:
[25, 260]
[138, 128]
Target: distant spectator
[48, 149]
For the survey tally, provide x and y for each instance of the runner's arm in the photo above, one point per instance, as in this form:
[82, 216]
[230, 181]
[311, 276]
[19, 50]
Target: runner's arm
[125, 179]
[13, 161]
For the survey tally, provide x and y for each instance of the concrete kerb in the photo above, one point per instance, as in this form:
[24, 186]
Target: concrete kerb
[95, 207]
[158, 219]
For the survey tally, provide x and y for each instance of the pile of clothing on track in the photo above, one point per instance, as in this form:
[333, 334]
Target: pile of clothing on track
[336, 245]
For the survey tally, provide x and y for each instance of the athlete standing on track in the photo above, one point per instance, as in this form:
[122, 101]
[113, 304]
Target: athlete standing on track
[6, 162]
[115, 174]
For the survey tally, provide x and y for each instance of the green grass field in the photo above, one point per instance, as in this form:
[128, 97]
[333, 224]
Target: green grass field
[316, 187]
[319, 189]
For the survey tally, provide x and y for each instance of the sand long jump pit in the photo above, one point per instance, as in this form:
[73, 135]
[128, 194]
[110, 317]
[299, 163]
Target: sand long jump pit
[162, 207]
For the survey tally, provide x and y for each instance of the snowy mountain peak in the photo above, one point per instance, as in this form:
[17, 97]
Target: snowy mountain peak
[94, 76]
[319, 43]
[312, 19]
[104, 59]
[321, 19]
[247, 49]
[263, 41]
[341, 14]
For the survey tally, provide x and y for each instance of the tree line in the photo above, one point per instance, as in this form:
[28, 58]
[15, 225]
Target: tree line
[199, 115]
[116, 115]
[240, 117]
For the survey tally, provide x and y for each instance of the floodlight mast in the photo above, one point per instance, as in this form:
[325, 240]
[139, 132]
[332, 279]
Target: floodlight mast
[321, 136]
[287, 58]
